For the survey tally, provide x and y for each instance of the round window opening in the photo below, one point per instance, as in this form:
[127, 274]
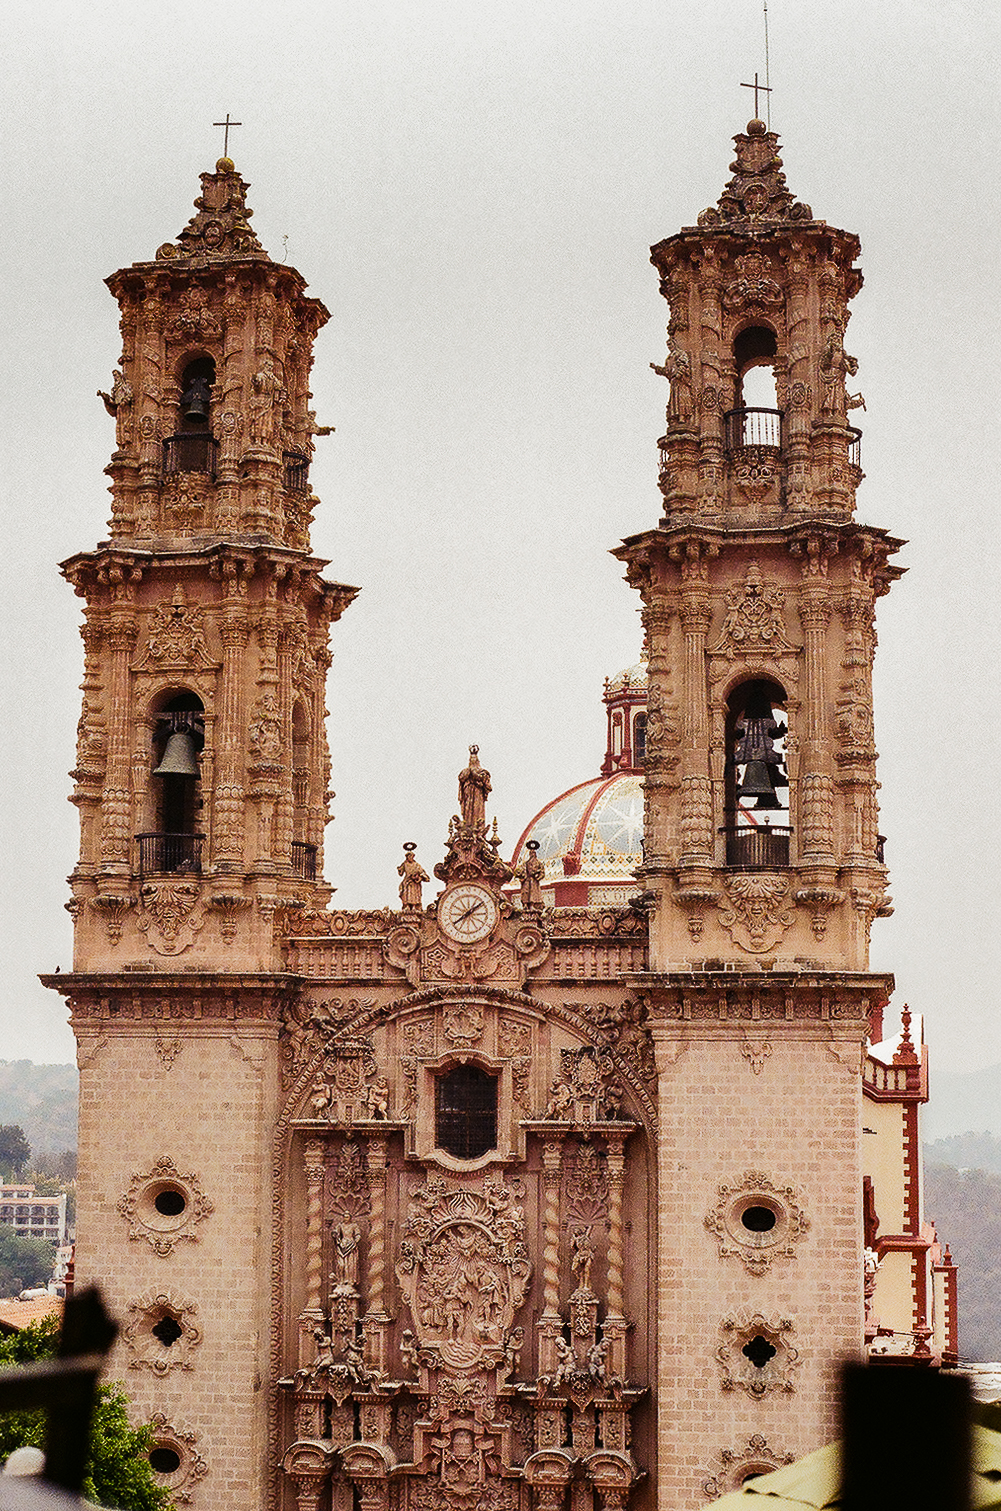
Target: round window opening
[170, 1202]
[758, 1219]
[164, 1460]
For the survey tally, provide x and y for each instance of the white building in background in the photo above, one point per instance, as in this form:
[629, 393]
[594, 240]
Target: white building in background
[31, 1215]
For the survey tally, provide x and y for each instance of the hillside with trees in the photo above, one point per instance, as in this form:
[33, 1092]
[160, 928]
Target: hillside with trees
[965, 1205]
[41, 1099]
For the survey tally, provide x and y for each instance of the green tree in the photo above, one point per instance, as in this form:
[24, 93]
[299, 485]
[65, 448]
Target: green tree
[118, 1470]
[24, 1262]
[14, 1149]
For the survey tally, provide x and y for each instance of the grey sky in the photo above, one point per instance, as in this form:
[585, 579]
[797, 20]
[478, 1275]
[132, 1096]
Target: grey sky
[472, 190]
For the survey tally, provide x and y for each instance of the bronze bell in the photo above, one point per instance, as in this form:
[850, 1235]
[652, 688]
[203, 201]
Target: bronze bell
[179, 758]
[195, 400]
[759, 783]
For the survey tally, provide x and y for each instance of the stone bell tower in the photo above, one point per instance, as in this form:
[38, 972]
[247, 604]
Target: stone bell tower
[202, 769]
[763, 863]
[201, 779]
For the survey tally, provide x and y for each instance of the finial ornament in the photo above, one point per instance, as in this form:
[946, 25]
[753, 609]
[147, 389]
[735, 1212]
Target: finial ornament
[758, 88]
[227, 123]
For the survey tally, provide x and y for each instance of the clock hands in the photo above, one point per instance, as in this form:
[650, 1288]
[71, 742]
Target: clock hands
[474, 908]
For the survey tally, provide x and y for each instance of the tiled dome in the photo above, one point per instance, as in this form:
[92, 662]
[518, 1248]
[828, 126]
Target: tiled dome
[590, 842]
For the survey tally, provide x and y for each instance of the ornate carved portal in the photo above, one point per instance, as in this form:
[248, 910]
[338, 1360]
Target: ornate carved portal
[462, 1340]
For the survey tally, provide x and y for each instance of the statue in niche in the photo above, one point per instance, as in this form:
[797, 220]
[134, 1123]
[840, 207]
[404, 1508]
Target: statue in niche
[530, 874]
[474, 789]
[347, 1239]
[414, 876]
[582, 1257]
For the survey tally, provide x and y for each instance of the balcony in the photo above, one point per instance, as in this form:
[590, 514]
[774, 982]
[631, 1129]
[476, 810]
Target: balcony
[854, 447]
[752, 427]
[296, 464]
[169, 854]
[303, 860]
[750, 848]
[193, 451]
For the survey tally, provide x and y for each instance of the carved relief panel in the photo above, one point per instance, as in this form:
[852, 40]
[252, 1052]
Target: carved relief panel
[460, 1323]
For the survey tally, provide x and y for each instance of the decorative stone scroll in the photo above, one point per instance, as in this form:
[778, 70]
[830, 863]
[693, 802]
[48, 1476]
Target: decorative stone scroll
[464, 1270]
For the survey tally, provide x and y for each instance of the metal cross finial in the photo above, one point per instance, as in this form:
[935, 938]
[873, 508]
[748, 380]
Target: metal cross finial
[763, 88]
[228, 123]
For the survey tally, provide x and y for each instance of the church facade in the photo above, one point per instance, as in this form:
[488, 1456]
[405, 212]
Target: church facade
[506, 1198]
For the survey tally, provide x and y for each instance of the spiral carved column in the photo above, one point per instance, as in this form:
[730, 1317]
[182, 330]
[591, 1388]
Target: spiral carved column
[550, 1323]
[312, 1314]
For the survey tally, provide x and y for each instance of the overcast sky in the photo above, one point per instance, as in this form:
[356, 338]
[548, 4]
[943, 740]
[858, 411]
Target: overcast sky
[472, 190]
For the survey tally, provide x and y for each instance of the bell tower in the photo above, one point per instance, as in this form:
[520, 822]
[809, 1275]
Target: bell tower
[201, 780]
[202, 768]
[763, 862]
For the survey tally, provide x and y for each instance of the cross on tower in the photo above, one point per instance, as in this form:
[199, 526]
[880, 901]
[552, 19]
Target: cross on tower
[763, 88]
[228, 123]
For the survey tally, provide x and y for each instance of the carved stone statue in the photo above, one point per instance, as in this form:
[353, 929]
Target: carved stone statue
[559, 1108]
[678, 368]
[582, 1257]
[414, 876]
[530, 874]
[474, 788]
[266, 386]
[119, 403]
[377, 1099]
[347, 1238]
[597, 1362]
[566, 1362]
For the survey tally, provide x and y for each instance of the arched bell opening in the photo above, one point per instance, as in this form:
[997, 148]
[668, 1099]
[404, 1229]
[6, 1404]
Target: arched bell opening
[303, 852]
[173, 844]
[192, 447]
[756, 809]
[755, 419]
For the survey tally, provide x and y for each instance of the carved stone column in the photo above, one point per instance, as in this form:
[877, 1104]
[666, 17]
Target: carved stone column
[550, 1323]
[231, 734]
[696, 792]
[816, 783]
[116, 801]
[375, 1322]
[615, 1326]
[312, 1314]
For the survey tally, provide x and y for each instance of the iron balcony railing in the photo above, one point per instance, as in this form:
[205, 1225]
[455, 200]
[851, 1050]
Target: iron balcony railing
[296, 464]
[192, 451]
[753, 427]
[303, 860]
[161, 854]
[854, 446]
[752, 848]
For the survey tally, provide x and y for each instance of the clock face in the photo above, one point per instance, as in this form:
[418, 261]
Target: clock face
[467, 913]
